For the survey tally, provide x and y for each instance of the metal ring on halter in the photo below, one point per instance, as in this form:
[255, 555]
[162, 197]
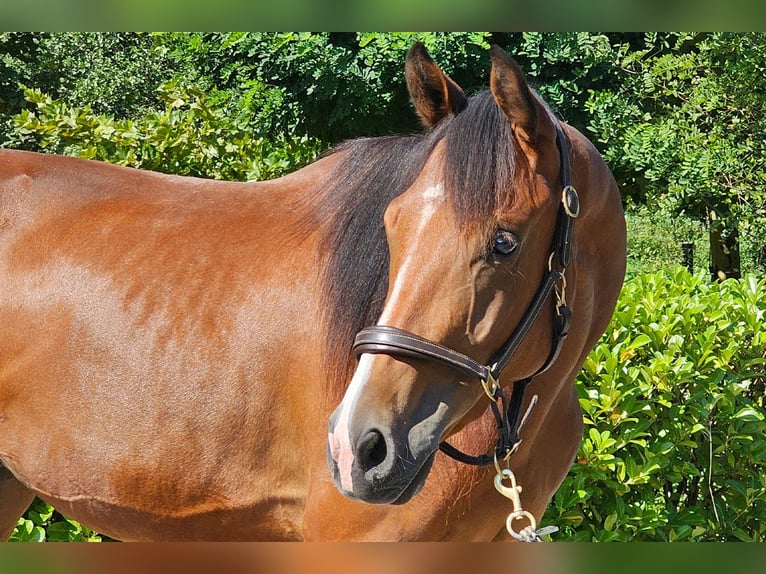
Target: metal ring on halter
[571, 201]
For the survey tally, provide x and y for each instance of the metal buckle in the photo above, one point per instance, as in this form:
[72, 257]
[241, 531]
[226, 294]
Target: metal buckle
[571, 201]
[560, 290]
[490, 385]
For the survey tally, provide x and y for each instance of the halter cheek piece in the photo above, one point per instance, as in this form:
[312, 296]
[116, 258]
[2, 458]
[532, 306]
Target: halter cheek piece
[381, 339]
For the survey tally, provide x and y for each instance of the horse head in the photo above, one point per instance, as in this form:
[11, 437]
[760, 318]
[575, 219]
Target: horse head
[478, 247]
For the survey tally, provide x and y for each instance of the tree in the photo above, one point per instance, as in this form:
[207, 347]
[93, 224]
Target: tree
[110, 73]
[332, 86]
[685, 132]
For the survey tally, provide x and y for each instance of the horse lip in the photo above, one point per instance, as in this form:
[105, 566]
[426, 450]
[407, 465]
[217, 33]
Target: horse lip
[374, 494]
[417, 483]
[403, 491]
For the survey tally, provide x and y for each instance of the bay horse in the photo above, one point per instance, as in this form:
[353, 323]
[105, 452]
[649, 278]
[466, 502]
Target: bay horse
[178, 357]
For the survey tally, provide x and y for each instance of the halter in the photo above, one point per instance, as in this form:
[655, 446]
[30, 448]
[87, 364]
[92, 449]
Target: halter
[382, 339]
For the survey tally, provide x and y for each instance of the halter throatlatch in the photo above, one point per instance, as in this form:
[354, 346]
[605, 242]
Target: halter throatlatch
[382, 339]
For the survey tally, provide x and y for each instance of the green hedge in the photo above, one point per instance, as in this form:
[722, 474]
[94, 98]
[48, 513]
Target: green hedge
[673, 401]
[195, 135]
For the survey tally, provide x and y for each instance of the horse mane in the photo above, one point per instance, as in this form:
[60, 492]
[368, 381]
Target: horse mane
[479, 167]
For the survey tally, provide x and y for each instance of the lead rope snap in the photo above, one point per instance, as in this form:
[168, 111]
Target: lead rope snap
[529, 533]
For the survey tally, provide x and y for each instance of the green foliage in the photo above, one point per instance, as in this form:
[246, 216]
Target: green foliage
[565, 67]
[110, 72]
[655, 238]
[333, 86]
[190, 137]
[17, 54]
[42, 523]
[675, 426]
[684, 128]
[685, 125]
[114, 73]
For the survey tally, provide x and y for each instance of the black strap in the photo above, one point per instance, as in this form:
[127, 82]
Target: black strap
[509, 425]
[569, 208]
[506, 352]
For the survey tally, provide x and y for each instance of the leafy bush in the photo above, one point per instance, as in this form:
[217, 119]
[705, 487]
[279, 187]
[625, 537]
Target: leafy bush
[112, 72]
[115, 73]
[194, 135]
[675, 429]
[42, 523]
[334, 86]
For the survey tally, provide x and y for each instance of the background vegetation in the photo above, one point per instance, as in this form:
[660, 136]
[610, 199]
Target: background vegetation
[675, 427]
[673, 394]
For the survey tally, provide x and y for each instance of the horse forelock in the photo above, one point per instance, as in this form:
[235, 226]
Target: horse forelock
[478, 171]
[480, 162]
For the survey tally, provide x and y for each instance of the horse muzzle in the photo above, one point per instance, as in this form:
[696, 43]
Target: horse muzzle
[377, 465]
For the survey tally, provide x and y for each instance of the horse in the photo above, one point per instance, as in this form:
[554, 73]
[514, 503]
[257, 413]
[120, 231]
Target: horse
[318, 356]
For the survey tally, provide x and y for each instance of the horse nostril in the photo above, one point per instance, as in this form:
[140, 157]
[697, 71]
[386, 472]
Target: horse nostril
[372, 450]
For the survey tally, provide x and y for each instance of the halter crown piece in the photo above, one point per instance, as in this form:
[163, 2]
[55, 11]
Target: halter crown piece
[382, 339]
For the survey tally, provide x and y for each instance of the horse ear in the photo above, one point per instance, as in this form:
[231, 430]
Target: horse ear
[513, 95]
[434, 94]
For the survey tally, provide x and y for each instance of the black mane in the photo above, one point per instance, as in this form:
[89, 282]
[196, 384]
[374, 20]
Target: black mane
[479, 167]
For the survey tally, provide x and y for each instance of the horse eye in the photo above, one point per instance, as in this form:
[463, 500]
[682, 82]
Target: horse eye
[504, 243]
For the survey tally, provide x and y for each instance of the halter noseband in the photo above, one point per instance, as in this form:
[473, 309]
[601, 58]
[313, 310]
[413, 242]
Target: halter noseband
[382, 339]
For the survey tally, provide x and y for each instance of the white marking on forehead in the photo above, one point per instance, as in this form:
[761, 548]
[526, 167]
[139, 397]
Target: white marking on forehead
[435, 191]
[433, 196]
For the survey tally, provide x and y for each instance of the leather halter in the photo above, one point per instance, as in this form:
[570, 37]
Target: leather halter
[383, 339]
